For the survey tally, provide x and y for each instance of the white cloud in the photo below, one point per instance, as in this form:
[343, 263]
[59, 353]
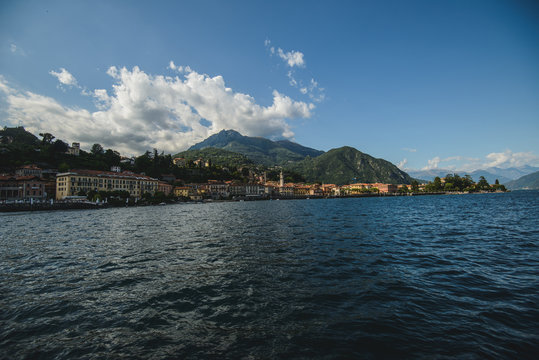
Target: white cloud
[16, 50]
[64, 77]
[291, 79]
[145, 111]
[292, 58]
[180, 69]
[432, 163]
[504, 159]
[510, 159]
[402, 164]
[295, 60]
[410, 150]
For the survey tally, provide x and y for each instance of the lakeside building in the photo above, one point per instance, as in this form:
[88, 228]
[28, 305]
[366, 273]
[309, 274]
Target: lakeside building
[22, 188]
[248, 190]
[362, 187]
[182, 191]
[165, 187]
[73, 182]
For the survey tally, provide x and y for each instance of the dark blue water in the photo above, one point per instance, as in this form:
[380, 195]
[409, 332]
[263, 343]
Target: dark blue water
[406, 277]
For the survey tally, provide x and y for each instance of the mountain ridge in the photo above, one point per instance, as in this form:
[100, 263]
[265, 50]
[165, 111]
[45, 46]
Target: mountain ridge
[258, 149]
[346, 165]
[526, 182]
[340, 166]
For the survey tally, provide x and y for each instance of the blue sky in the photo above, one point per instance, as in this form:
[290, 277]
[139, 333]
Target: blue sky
[423, 84]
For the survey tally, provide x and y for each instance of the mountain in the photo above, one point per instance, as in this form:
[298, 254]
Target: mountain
[259, 150]
[512, 173]
[489, 176]
[429, 175]
[345, 165]
[527, 182]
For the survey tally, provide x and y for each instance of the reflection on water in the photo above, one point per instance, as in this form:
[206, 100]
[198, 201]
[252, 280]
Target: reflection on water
[383, 277]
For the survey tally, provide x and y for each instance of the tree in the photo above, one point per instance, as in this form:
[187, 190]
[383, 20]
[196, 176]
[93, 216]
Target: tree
[63, 167]
[97, 149]
[47, 138]
[482, 184]
[437, 183]
[59, 146]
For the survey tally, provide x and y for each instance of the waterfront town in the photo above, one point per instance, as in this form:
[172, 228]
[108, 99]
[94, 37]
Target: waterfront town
[31, 184]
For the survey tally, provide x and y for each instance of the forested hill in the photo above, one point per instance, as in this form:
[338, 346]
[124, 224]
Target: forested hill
[19, 147]
[346, 165]
[527, 182]
[260, 150]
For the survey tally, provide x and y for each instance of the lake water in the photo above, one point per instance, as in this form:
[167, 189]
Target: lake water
[396, 277]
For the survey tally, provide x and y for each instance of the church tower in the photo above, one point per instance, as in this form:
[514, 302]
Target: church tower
[281, 180]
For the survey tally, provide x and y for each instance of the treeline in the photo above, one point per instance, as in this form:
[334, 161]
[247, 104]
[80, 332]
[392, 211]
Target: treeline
[456, 183]
[19, 147]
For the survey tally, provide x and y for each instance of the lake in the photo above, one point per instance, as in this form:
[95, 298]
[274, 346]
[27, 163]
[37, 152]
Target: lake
[389, 277]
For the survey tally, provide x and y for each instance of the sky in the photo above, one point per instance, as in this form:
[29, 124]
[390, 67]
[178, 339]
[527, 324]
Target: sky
[423, 84]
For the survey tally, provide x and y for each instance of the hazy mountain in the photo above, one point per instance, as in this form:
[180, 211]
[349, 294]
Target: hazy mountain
[259, 150]
[512, 173]
[430, 174]
[346, 164]
[527, 182]
[490, 174]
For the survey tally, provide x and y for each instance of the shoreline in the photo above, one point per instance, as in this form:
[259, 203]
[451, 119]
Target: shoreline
[27, 207]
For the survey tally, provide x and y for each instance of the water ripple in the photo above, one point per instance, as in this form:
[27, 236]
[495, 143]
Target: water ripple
[412, 277]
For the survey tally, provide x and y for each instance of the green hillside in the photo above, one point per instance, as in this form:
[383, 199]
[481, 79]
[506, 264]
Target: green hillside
[527, 182]
[260, 150]
[346, 165]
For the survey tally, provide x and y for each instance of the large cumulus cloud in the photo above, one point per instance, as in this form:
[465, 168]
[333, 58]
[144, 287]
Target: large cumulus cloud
[144, 111]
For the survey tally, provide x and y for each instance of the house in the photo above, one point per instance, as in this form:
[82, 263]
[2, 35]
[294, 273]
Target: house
[74, 149]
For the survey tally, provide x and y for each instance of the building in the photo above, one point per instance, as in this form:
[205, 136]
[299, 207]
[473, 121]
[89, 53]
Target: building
[74, 149]
[182, 191]
[29, 170]
[165, 188]
[218, 190]
[76, 181]
[386, 188]
[22, 188]
[248, 190]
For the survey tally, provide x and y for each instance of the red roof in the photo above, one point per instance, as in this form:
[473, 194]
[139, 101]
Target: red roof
[112, 174]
